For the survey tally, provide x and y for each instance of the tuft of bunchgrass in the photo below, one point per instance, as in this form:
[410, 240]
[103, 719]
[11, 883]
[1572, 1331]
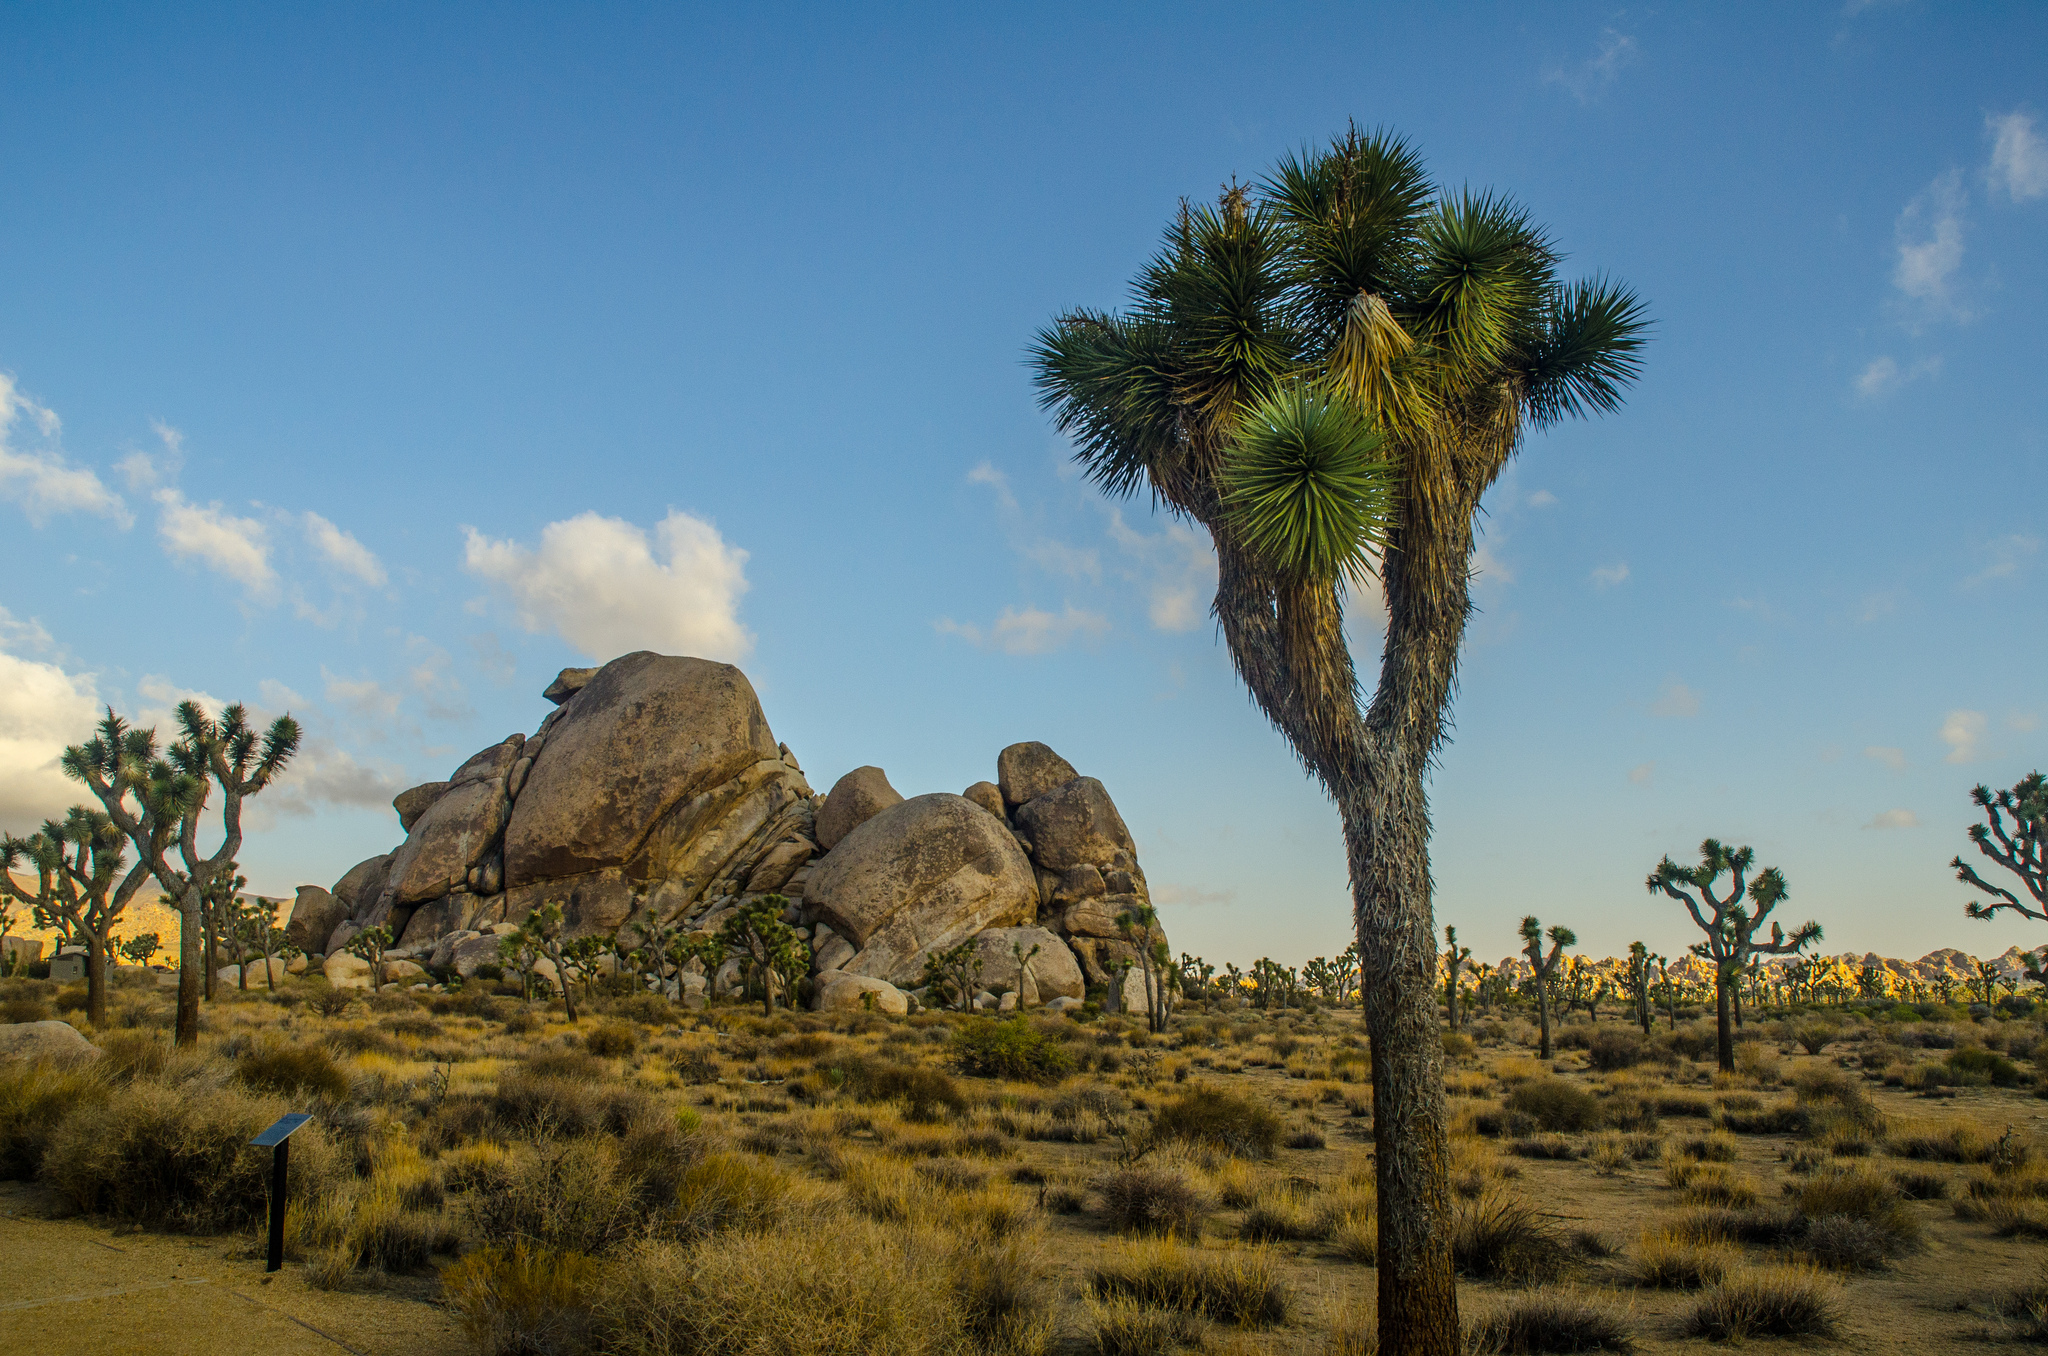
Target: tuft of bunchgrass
[1499, 1237]
[1556, 1105]
[1242, 1286]
[519, 1300]
[1124, 1327]
[1152, 1201]
[1665, 1260]
[1205, 1116]
[34, 1100]
[1551, 1321]
[1768, 1302]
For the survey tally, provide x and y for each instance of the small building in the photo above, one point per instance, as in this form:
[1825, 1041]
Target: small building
[68, 964]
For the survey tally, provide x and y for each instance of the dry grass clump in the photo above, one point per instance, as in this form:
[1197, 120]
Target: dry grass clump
[34, 1100]
[613, 1040]
[1954, 1142]
[1551, 1321]
[1205, 1116]
[1499, 1237]
[1666, 1260]
[293, 1070]
[1712, 1184]
[519, 1301]
[1152, 1201]
[179, 1156]
[1773, 1302]
[1241, 1286]
[1553, 1104]
[1863, 1195]
[1124, 1327]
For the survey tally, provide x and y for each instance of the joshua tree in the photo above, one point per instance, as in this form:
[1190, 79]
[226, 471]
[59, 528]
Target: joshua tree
[219, 907]
[1327, 372]
[256, 930]
[157, 801]
[1730, 926]
[2020, 846]
[1639, 962]
[521, 950]
[141, 947]
[368, 946]
[80, 888]
[1024, 959]
[1140, 927]
[1455, 957]
[768, 949]
[1542, 969]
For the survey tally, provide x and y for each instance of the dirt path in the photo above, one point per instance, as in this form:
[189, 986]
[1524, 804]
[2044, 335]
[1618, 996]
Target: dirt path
[69, 1288]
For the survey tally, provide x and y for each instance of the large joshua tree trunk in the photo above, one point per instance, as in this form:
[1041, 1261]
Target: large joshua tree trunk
[191, 965]
[1724, 1034]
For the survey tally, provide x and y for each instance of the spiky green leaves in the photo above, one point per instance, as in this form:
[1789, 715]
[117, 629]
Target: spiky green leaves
[1308, 486]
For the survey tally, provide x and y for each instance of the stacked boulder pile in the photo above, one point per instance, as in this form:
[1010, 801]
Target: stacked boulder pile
[656, 786]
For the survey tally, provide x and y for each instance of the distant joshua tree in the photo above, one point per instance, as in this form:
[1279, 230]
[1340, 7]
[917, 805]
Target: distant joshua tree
[2020, 846]
[1542, 969]
[81, 889]
[1730, 926]
[1455, 957]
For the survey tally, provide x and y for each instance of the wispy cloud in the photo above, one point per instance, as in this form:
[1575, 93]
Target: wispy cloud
[2019, 157]
[1895, 819]
[1588, 79]
[986, 474]
[1884, 375]
[1895, 759]
[235, 548]
[1176, 566]
[1542, 499]
[2008, 554]
[1675, 701]
[1963, 732]
[1930, 248]
[343, 551]
[41, 479]
[1607, 576]
[1028, 630]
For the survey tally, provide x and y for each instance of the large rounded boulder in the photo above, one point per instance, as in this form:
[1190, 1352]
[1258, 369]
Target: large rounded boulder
[1027, 771]
[1030, 962]
[918, 877]
[645, 734]
[1076, 824]
[854, 799]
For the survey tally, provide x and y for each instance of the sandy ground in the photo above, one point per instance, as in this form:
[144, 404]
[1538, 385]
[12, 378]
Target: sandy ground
[75, 1287]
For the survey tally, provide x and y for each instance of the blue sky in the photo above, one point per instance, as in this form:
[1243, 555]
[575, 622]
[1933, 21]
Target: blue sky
[376, 362]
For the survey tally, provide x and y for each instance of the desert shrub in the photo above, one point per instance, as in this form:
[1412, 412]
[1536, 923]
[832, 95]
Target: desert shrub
[1306, 1137]
[1152, 1201]
[1220, 1120]
[1917, 1184]
[34, 1101]
[1458, 1045]
[1716, 1147]
[414, 1025]
[1556, 1105]
[650, 1008]
[985, 1047]
[1779, 1302]
[1760, 1228]
[923, 1091]
[1845, 1243]
[1123, 1327]
[1668, 1261]
[1862, 1195]
[1242, 1286]
[562, 1093]
[1715, 1185]
[1958, 1142]
[842, 1286]
[1694, 1040]
[521, 1301]
[72, 998]
[180, 1157]
[1982, 1066]
[729, 1192]
[613, 1040]
[1784, 1119]
[293, 1070]
[1814, 1036]
[1551, 1322]
[1573, 1035]
[1544, 1146]
[1614, 1047]
[1500, 1238]
[561, 1196]
[1684, 1104]
[24, 1010]
[1754, 1059]
[364, 1040]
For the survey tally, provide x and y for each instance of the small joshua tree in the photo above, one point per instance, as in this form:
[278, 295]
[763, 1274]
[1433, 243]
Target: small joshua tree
[1024, 959]
[81, 889]
[1140, 926]
[768, 949]
[2015, 836]
[141, 947]
[954, 974]
[1542, 969]
[519, 951]
[1640, 962]
[1455, 957]
[368, 946]
[1730, 925]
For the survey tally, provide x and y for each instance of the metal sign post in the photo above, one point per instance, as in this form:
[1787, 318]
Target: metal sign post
[278, 1138]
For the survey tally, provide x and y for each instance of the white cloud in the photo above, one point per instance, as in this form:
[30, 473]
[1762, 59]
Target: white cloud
[144, 470]
[2019, 158]
[42, 710]
[1542, 499]
[597, 583]
[1962, 731]
[363, 698]
[238, 548]
[1030, 630]
[1488, 567]
[323, 773]
[161, 698]
[1176, 567]
[1675, 699]
[2023, 721]
[441, 694]
[1895, 759]
[1071, 562]
[343, 551]
[1930, 246]
[1895, 819]
[1641, 773]
[1884, 375]
[1593, 75]
[2007, 554]
[986, 474]
[41, 480]
[1607, 576]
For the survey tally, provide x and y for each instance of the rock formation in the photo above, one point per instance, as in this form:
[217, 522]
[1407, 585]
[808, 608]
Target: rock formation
[656, 784]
